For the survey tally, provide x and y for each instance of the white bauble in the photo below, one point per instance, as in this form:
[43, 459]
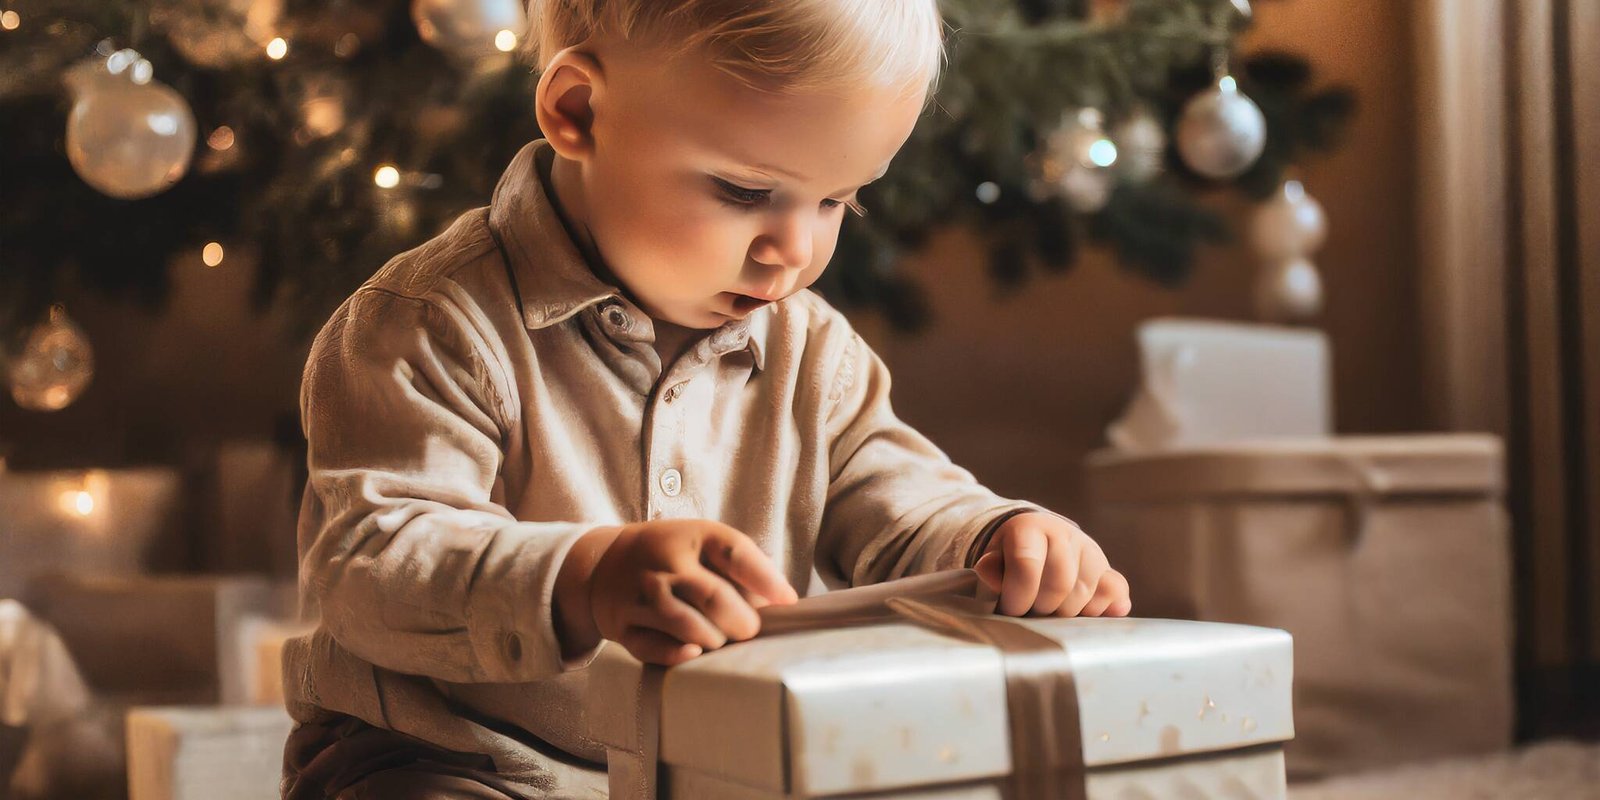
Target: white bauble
[468, 29]
[1288, 225]
[53, 366]
[1288, 291]
[129, 139]
[1141, 146]
[1221, 132]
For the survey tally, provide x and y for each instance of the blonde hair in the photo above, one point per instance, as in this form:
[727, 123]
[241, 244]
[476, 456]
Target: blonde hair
[771, 45]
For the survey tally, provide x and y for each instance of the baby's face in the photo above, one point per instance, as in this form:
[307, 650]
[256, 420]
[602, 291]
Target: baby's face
[708, 199]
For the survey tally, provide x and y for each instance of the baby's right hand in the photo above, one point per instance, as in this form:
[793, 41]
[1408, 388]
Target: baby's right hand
[670, 589]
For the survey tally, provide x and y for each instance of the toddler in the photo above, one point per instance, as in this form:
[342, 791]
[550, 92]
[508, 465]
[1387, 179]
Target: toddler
[605, 408]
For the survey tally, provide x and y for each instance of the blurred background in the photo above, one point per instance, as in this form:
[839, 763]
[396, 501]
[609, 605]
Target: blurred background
[1392, 247]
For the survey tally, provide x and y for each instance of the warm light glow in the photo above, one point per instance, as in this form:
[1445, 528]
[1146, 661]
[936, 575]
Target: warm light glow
[83, 503]
[1228, 84]
[221, 138]
[212, 254]
[277, 48]
[506, 41]
[1103, 153]
[9, 20]
[387, 177]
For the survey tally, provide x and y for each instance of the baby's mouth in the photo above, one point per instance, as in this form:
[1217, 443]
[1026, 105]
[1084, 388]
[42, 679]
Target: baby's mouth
[744, 304]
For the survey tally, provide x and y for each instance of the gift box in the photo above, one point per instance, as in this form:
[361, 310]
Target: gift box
[1386, 557]
[160, 639]
[206, 752]
[914, 689]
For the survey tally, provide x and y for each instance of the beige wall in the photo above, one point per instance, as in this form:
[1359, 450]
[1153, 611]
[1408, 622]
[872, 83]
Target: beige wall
[1018, 390]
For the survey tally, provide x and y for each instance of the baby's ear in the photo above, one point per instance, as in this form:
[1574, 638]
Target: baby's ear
[564, 102]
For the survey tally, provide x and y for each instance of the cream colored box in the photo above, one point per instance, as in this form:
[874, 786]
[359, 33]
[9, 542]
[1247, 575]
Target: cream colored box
[206, 752]
[908, 712]
[1386, 557]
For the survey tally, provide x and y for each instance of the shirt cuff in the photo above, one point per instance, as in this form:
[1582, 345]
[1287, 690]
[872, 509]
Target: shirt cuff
[512, 623]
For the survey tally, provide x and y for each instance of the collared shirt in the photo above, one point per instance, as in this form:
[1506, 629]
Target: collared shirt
[484, 400]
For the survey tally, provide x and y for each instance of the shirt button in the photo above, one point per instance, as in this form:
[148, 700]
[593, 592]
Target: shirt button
[616, 316]
[672, 393]
[672, 482]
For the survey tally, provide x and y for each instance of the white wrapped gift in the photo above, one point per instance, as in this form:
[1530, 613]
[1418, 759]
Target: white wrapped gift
[1109, 708]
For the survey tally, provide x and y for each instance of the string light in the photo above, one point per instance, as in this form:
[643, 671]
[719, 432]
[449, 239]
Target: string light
[221, 138]
[80, 498]
[1103, 153]
[387, 177]
[9, 20]
[506, 41]
[212, 254]
[277, 49]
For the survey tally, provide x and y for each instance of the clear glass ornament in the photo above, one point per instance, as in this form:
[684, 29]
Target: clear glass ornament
[127, 136]
[1289, 225]
[1288, 291]
[53, 366]
[1078, 159]
[1141, 146]
[1221, 132]
[469, 29]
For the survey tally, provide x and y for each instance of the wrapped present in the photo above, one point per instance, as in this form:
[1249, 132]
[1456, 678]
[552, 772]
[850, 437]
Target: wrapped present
[913, 688]
[166, 639]
[1386, 557]
[205, 752]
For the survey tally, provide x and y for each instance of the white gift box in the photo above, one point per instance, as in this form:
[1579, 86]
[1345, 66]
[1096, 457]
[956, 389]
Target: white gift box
[1386, 557]
[206, 752]
[900, 710]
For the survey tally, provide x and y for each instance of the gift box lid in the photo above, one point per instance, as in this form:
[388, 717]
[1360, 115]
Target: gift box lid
[1432, 464]
[896, 705]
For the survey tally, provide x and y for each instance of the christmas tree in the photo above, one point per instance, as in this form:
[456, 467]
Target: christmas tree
[328, 136]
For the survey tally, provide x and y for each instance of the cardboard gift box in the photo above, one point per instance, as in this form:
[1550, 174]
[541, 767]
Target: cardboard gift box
[205, 752]
[1386, 557]
[923, 693]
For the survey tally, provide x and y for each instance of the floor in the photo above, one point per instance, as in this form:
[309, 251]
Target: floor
[1551, 770]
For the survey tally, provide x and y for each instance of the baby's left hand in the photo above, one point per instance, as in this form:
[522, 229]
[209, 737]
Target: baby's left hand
[1043, 565]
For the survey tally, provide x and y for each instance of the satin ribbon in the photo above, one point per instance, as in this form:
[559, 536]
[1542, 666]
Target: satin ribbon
[1041, 697]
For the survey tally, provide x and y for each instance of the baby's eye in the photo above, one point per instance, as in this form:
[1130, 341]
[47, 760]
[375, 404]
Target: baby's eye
[735, 194]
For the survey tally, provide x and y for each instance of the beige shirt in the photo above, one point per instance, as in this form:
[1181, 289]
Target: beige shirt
[484, 400]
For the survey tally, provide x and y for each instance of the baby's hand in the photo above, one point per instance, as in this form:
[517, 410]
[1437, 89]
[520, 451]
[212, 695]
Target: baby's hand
[668, 590]
[1044, 565]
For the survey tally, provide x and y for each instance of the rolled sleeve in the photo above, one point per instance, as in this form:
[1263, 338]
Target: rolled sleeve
[896, 504]
[405, 556]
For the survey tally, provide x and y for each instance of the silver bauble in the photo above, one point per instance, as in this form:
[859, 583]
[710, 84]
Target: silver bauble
[1221, 132]
[1289, 224]
[467, 28]
[127, 139]
[1288, 291]
[53, 366]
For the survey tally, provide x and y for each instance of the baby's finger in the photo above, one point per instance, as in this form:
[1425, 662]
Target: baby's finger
[1060, 570]
[990, 571]
[719, 602]
[1113, 588]
[655, 647]
[661, 609]
[1091, 566]
[1024, 551]
[733, 555]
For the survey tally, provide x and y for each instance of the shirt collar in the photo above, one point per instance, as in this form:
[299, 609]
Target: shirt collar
[552, 277]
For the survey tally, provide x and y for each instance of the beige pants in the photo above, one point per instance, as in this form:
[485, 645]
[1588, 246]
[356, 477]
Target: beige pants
[347, 759]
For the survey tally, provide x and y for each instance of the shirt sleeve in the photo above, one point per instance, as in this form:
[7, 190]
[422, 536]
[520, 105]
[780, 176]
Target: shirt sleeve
[405, 555]
[896, 504]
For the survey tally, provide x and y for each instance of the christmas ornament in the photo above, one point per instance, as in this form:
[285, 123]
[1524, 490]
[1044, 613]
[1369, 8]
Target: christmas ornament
[53, 366]
[1077, 161]
[1288, 291]
[1289, 224]
[1141, 146]
[470, 29]
[1221, 132]
[127, 136]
